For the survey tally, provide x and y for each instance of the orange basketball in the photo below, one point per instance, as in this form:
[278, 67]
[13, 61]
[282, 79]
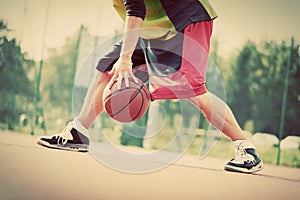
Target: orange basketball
[128, 103]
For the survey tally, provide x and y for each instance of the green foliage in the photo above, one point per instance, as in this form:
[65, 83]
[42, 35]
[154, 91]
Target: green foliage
[223, 149]
[292, 124]
[57, 75]
[59, 72]
[133, 138]
[256, 87]
[239, 93]
[16, 89]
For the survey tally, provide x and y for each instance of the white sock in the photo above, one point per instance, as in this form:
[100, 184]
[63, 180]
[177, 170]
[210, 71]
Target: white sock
[246, 144]
[80, 127]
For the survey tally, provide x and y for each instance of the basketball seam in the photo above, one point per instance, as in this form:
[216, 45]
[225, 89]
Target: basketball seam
[126, 88]
[145, 92]
[141, 87]
[127, 103]
[111, 94]
[140, 106]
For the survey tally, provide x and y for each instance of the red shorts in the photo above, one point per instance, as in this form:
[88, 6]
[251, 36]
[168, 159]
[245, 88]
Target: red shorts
[175, 68]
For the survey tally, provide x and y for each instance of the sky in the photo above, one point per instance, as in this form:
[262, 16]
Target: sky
[238, 21]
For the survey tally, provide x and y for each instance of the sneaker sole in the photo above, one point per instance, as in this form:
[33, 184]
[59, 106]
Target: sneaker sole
[74, 147]
[256, 168]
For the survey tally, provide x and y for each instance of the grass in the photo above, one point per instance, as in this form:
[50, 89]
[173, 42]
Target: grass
[222, 149]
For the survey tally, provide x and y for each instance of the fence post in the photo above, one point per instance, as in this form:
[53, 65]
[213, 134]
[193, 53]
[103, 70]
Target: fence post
[284, 98]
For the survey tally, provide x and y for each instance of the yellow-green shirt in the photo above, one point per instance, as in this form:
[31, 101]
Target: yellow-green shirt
[165, 17]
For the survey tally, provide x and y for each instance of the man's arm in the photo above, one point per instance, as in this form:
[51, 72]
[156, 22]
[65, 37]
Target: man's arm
[135, 14]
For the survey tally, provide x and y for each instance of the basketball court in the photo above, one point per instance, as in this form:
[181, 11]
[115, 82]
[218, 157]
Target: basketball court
[29, 171]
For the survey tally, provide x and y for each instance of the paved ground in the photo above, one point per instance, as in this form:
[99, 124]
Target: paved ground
[28, 171]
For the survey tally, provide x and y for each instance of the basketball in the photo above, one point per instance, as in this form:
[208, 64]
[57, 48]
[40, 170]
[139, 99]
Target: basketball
[127, 104]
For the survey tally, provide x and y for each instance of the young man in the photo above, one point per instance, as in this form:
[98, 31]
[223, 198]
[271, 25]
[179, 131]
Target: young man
[173, 38]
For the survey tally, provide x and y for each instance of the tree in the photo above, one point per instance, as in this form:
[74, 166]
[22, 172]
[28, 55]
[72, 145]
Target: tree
[275, 58]
[57, 75]
[16, 88]
[240, 84]
[268, 89]
[292, 125]
[256, 85]
[61, 66]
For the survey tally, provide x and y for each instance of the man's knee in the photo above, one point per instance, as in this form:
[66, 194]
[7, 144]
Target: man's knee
[202, 101]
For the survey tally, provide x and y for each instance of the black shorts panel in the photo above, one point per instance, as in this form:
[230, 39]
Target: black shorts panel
[106, 62]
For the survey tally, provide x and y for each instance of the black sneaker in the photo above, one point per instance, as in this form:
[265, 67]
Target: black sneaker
[68, 139]
[246, 160]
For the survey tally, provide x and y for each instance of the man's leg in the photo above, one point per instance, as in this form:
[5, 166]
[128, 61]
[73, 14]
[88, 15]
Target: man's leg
[75, 135]
[92, 105]
[220, 116]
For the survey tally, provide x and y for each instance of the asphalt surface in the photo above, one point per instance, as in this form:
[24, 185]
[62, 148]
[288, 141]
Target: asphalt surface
[29, 171]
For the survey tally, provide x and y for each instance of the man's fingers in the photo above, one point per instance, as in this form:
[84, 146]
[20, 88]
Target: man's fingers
[120, 79]
[110, 83]
[126, 81]
[119, 76]
[112, 80]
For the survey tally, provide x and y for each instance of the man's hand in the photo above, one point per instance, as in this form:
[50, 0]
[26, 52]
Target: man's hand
[122, 70]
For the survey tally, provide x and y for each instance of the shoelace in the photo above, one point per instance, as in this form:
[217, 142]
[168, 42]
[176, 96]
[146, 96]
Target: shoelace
[62, 137]
[240, 154]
